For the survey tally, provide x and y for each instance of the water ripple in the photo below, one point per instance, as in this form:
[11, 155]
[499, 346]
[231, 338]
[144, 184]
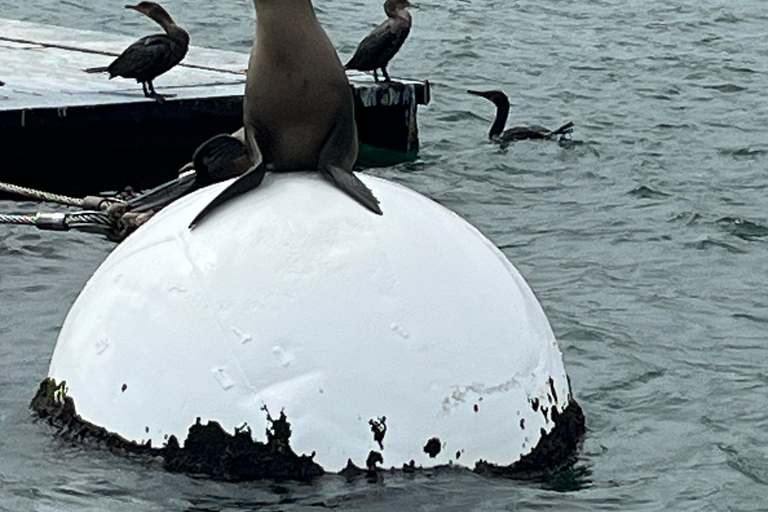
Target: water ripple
[647, 256]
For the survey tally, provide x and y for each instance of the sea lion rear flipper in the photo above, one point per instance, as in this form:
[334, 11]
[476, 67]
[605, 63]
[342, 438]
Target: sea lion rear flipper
[241, 185]
[352, 185]
[339, 153]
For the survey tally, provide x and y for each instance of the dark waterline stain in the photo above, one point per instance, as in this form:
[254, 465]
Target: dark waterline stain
[432, 448]
[379, 429]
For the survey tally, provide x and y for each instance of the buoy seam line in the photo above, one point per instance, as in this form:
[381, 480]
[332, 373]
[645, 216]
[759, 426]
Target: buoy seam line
[104, 52]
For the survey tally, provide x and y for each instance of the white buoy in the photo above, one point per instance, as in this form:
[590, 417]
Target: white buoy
[295, 297]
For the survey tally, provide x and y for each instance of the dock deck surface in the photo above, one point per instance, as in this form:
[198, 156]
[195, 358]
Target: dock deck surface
[52, 112]
[44, 67]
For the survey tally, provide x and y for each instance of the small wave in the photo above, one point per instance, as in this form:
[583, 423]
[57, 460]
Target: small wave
[741, 70]
[583, 334]
[743, 152]
[696, 75]
[646, 192]
[586, 67]
[687, 218]
[728, 18]
[667, 126]
[745, 316]
[725, 88]
[752, 466]
[743, 228]
[705, 245]
[710, 39]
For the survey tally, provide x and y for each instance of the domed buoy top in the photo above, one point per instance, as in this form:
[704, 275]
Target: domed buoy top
[409, 334]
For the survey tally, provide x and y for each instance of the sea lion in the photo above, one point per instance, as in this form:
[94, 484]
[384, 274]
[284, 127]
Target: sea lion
[298, 109]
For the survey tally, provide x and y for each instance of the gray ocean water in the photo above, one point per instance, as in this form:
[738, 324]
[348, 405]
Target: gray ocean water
[646, 246]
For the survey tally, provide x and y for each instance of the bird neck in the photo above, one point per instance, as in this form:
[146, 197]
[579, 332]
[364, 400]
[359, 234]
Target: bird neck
[177, 33]
[392, 11]
[502, 112]
[162, 18]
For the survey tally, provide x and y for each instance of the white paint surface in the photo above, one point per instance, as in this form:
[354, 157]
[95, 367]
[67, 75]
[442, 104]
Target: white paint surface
[297, 297]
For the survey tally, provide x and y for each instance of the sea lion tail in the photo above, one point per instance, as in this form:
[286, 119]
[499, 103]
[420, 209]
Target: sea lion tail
[241, 185]
[352, 185]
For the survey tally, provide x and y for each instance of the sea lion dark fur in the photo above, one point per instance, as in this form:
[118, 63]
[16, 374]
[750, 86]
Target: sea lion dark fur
[298, 109]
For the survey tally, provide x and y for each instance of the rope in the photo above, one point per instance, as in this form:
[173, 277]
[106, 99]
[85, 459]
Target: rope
[39, 194]
[110, 54]
[110, 216]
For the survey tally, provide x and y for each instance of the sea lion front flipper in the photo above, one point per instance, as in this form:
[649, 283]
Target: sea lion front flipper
[352, 185]
[241, 185]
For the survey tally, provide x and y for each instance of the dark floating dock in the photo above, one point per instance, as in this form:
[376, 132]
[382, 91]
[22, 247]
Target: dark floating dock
[72, 132]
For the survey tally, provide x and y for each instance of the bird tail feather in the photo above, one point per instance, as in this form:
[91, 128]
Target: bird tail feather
[102, 69]
[566, 128]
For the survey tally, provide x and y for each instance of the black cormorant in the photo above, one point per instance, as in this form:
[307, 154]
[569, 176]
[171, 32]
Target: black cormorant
[377, 49]
[532, 132]
[153, 55]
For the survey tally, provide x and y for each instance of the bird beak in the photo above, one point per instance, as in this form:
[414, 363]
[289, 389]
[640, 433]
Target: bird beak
[134, 7]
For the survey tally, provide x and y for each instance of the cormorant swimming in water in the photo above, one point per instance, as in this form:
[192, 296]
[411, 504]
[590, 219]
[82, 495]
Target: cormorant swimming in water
[377, 49]
[533, 132]
[153, 55]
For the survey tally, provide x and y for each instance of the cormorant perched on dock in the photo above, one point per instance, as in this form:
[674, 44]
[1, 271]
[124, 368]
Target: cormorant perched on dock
[533, 132]
[153, 55]
[377, 49]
